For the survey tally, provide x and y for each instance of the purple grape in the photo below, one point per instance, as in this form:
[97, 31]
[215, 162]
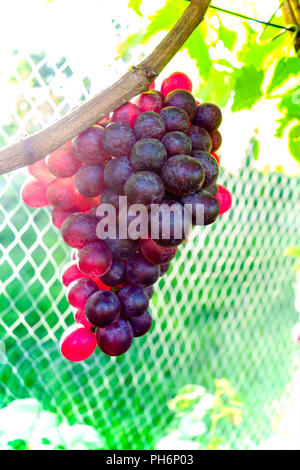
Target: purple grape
[117, 172]
[144, 187]
[102, 308]
[149, 124]
[79, 229]
[150, 289]
[142, 324]
[172, 226]
[208, 116]
[115, 276]
[216, 139]
[116, 338]
[122, 248]
[141, 273]
[182, 175]
[210, 207]
[200, 138]
[110, 197]
[175, 119]
[148, 154]
[118, 138]
[210, 166]
[164, 269]
[212, 188]
[88, 146]
[182, 99]
[89, 180]
[134, 301]
[176, 143]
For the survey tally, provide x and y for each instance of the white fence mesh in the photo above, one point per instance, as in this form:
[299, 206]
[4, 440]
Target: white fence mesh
[225, 310]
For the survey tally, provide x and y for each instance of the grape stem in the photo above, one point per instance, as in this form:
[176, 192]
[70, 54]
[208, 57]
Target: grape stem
[135, 81]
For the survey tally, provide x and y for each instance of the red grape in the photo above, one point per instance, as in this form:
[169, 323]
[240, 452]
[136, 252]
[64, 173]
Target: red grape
[80, 317]
[155, 253]
[61, 193]
[79, 229]
[40, 171]
[177, 80]
[60, 215]
[63, 162]
[149, 101]
[71, 273]
[94, 259]
[126, 114]
[216, 157]
[77, 343]
[224, 199]
[80, 291]
[34, 194]
[85, 204]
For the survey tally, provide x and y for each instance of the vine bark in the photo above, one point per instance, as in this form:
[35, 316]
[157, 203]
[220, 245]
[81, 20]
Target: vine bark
[135, 81]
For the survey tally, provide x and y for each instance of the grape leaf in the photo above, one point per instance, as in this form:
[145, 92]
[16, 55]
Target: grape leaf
[285, 68]
[135, 6]
[248, 87]
[294, 142]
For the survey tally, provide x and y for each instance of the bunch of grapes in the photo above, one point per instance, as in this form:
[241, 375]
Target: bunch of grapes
[158, 150]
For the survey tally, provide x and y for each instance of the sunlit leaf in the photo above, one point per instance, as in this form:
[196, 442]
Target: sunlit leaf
[294, 142]
[248, 88]
[135, 6]
[285, 68]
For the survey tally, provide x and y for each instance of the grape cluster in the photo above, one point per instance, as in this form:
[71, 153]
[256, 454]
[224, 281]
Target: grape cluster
[159, 150]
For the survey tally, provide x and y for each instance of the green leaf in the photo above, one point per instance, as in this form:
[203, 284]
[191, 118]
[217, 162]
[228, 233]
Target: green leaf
[285, 68]
[247, 88]
[135, 6]
[294, 142]
[283, 123]
[197, 50]
[227, 36]
[254, 148]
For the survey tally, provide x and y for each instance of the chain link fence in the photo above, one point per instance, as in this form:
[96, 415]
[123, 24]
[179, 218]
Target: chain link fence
[225, 309]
